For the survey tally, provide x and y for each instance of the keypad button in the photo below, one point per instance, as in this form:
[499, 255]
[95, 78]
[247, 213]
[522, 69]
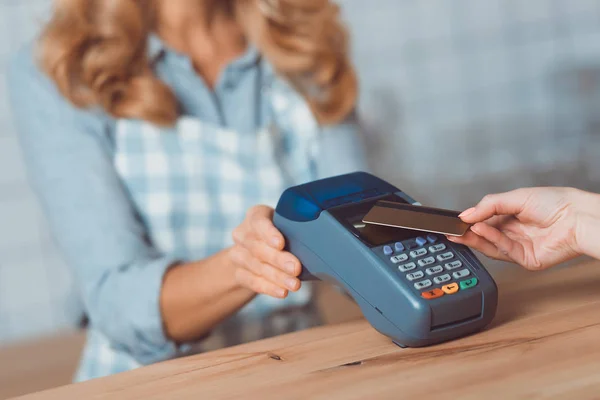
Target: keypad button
[415, 275]
[426, 261]
[423, 284]
[407, 267]
[461, 274]
[437, 248]
[468, 284]
[411, 245]
[432, 239]
[432, 294]
[450, 288]
[446, 256]
[399, 258]
[421, 241]
[399, 247]
[434, 270]
[442, 279]
[387, 250]
[418, 253]
[453, 265]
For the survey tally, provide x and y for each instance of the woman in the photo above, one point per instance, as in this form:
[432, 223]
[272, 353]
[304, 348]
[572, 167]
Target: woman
[535, 227]
[158, 135]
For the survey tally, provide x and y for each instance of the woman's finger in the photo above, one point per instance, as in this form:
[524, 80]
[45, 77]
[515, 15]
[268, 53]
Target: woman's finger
[260, 219]
[499, 221]
[272, 274]
[283, 260]
[508, 247]
[484, 246]
[279, 278]
[259, 284]
[509, 203]
[245, 259]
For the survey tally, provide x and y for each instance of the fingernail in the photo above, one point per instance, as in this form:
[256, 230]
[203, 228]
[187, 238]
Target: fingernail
[290, 267]
[281, 293]
[291, 283]
[475, 228]
[451, 238]
[466, 212]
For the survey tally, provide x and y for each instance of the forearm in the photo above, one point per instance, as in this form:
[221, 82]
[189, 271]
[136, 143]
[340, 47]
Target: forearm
[197, 296]
[588, 234]
[588, 224]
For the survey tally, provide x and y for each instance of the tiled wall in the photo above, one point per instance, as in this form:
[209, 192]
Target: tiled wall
[480, 95]
[461, 97]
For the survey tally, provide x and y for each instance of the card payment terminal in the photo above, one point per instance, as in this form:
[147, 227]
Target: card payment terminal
[418, 289]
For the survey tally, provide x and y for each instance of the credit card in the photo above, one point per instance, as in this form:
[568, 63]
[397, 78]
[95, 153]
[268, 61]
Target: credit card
[418, 218]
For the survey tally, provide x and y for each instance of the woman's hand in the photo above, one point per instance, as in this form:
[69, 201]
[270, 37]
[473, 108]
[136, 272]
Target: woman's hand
[536, 228]
[262, 265]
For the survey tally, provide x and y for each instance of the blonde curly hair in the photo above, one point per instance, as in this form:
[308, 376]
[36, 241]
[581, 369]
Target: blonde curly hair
[96, 53]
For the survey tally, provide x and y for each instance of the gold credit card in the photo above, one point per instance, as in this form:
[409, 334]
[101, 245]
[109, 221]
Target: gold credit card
[419, 218]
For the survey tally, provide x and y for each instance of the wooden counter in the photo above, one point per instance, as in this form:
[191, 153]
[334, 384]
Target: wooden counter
[544, 343]
[39, 364]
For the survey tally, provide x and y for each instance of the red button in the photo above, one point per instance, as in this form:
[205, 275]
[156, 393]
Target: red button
[432, 294]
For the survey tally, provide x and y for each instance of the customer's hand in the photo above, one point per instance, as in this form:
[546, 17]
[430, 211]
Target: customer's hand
[262, 264]
[536, 228]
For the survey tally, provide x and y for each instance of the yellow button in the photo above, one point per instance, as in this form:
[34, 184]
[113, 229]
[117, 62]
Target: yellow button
[451, 288]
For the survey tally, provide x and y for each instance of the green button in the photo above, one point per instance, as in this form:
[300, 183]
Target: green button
[468, 284]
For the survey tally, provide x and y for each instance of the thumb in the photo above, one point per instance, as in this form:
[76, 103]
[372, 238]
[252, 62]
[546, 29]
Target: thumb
[509, 203]
[261, 223]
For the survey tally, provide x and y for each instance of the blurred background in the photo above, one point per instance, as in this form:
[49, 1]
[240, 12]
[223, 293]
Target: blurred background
[460, 98]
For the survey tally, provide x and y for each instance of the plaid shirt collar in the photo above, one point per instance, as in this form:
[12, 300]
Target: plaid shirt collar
[157, 49]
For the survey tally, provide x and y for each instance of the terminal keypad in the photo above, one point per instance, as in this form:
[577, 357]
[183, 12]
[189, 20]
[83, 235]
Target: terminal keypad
[430, 266]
